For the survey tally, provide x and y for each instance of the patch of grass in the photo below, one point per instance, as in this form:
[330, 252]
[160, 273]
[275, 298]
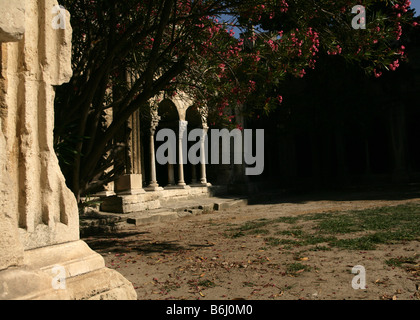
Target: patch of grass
[296, 268]
[259, 231]
[374, 226]
[271, 241]
[338, 224]
[289, 220]
[369, 242]
[320, 248]
[318, 216]
[292, 233]
[362, 243]
[388, 224]
[399, 261]
[237, 235]
[250, 227]
[311, 239]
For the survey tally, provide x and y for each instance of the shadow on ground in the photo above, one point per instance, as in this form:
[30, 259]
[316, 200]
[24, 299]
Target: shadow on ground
[302, 195]
[129, 242]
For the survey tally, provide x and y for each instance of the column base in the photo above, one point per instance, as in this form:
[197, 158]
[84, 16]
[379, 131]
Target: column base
[152, 188]
[129, 184]
[207, 184]
[70, 271]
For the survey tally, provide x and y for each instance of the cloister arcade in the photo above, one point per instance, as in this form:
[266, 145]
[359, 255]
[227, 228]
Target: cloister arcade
[144, 176]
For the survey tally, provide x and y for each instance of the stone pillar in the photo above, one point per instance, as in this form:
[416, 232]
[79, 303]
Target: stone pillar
[153, 186]
[132, 182]
[182, 130]
[203, 163]
[41, 255]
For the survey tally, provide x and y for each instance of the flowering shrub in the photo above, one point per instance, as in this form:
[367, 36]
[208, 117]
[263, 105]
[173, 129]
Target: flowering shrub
[192, 46]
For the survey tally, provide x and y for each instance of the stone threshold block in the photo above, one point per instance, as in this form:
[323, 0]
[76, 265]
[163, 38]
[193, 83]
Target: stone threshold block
[70, 271]
[177, 187]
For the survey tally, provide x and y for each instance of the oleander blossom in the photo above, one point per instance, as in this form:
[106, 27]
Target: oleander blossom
[393, 66]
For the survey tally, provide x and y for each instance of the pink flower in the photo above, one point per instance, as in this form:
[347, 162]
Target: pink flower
[393, 66]
[377, 74]
[302, 73]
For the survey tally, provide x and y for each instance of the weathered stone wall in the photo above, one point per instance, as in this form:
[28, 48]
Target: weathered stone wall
[12, 24]
[41, 256]
[11, 252]
[46, 211]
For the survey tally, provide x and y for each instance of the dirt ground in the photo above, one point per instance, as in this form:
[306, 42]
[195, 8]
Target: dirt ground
[197, 257]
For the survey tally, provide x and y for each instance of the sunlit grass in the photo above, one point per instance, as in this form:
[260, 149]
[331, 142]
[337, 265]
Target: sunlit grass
[353, 230]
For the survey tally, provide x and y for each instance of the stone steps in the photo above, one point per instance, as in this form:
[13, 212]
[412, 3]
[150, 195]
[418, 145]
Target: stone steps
[104, 222]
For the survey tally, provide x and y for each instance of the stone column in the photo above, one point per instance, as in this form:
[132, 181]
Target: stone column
[153, 186]
[132, 182]
[182, 130]
[41, 255]
[203, 163]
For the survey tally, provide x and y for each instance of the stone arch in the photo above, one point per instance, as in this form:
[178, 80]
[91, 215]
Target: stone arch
[183, 102]
[169, 119]
[169, 114]
[194, 117]
[172, 113]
